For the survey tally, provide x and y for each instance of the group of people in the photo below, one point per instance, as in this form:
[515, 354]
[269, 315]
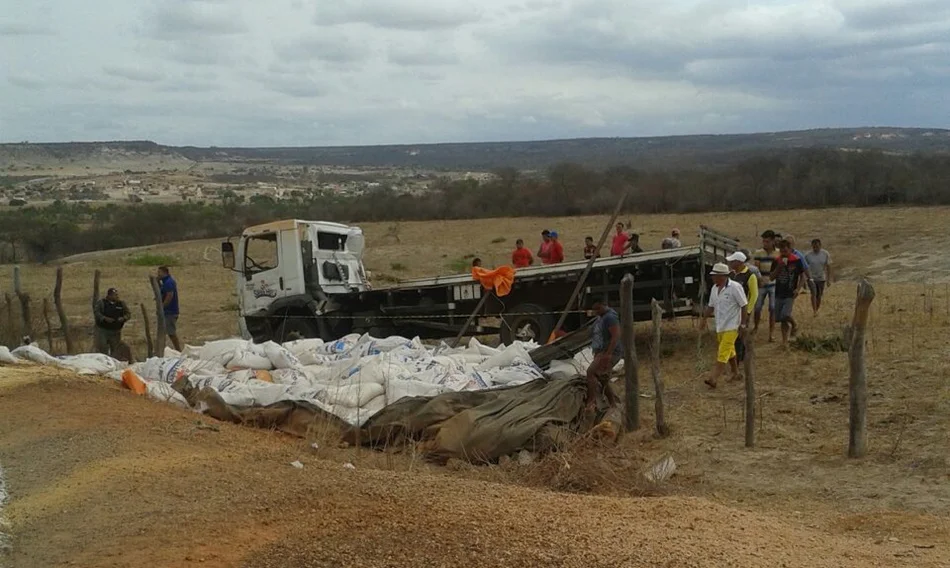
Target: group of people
[551, 251]
[111, 314]
[774, 275]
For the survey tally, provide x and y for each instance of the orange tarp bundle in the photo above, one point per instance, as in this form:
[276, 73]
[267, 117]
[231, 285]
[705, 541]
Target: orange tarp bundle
[133, 382]
[500, 278]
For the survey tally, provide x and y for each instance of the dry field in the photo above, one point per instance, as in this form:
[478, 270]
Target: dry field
[888, 509]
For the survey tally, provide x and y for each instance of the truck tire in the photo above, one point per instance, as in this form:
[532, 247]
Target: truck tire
[295, 327]
[527, 322]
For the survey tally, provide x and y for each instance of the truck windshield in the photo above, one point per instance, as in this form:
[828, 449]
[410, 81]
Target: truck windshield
[330, 241]
[260, 253]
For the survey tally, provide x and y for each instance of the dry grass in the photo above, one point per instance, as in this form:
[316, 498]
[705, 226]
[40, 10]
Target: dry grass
[799, 463]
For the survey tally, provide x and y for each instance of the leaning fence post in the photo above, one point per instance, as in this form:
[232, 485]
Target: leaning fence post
[60, 311]
[9, 302]
[49, 327]
[159, 315]
[748, 340]
[631, 381]
[148, 332]
[95, 288]
[661, 428]
[24, 298]
[858, 380]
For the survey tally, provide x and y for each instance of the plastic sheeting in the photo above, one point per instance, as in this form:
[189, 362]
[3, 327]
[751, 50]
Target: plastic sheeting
[351, 378]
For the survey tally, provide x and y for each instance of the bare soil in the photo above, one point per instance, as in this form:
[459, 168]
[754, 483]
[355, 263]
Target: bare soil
[102, 478]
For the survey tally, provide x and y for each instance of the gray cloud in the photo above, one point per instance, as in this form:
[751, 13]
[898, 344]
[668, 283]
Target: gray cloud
[178, 19]
[133, 73]
[242, 72]
[413, 15]
[17, 29]
[330, 47]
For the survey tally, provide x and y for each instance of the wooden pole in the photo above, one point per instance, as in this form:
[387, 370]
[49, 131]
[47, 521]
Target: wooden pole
[159, 315]
[472, 316]
[590, 264]
[61, 311]
[858, 383]
[95, 288]
[10, 330]
[661, 428]
[26, 316]
[631, 380]
[49, 327]
[749, 363]
[148, 331]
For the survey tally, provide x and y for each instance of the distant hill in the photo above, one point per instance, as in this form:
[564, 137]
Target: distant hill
[652, 152]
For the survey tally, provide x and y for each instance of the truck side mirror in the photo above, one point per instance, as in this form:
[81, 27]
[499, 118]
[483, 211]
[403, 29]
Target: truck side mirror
[227, 255]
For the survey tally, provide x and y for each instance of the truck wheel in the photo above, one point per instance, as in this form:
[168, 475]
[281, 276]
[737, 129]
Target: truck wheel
[293, 328]
[529, 322]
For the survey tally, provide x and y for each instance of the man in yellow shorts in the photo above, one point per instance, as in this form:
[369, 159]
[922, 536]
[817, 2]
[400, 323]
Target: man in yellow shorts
[727, 303]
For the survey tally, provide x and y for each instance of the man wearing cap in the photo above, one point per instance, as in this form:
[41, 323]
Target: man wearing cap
[544, 251]
[169, 290]
[727, 303]
[556, 252]
[673, 241]
[110, 314]
[742, 274]
[608, 351]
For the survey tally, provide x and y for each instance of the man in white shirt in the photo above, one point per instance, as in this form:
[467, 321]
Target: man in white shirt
[727, 303]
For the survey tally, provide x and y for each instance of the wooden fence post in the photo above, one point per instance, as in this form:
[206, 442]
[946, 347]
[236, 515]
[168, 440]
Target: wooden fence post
[661, 428]
[631, 380]
[159, 315]
[148, 332]
[10, 329]
[95, 288]
[24, 298]
[61, 311]
[49, 326]
[749, 363]
[858, 380]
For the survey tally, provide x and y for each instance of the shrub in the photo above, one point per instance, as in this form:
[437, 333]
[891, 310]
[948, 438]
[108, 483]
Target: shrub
[150, 259]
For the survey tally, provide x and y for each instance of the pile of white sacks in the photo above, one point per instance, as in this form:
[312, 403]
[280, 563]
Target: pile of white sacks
[353, 378]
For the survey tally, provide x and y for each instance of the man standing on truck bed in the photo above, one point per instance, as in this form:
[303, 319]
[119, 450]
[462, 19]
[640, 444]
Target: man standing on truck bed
[169, 290]
[521, 257]
[110, 314]
[608, 351]
[556, 252]
[544, 251]
[619, 243]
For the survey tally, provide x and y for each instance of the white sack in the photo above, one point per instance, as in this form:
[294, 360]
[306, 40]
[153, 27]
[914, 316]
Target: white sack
[6, 356]
[398, 388]
[35, 354]
[353, 395]
[279, 357]
[249, 360]
[163, 392]
[91, 363]
[511, 355]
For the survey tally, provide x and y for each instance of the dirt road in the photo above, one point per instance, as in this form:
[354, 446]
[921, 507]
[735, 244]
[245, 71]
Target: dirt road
[98, 477]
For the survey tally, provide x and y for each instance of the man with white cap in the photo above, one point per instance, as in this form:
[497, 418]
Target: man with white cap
[727, 303]
[741, 273]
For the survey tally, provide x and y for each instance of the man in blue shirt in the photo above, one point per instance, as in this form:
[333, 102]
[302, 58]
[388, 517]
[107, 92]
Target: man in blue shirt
[608, 351]
[169, 290]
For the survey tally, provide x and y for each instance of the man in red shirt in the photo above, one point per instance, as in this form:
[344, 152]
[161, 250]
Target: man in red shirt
[619, 244]
[545, 250]
[556, 252]
[521, 257]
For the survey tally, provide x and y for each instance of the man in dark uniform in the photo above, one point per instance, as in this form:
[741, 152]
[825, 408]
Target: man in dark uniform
[110, 313]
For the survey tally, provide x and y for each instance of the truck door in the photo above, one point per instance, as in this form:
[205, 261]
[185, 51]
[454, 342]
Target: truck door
[261, 266]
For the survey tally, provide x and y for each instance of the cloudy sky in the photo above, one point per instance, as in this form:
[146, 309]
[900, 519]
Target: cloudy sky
[319, 72]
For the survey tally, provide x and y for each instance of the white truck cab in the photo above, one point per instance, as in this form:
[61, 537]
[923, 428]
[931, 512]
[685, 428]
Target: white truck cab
[296, 266]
